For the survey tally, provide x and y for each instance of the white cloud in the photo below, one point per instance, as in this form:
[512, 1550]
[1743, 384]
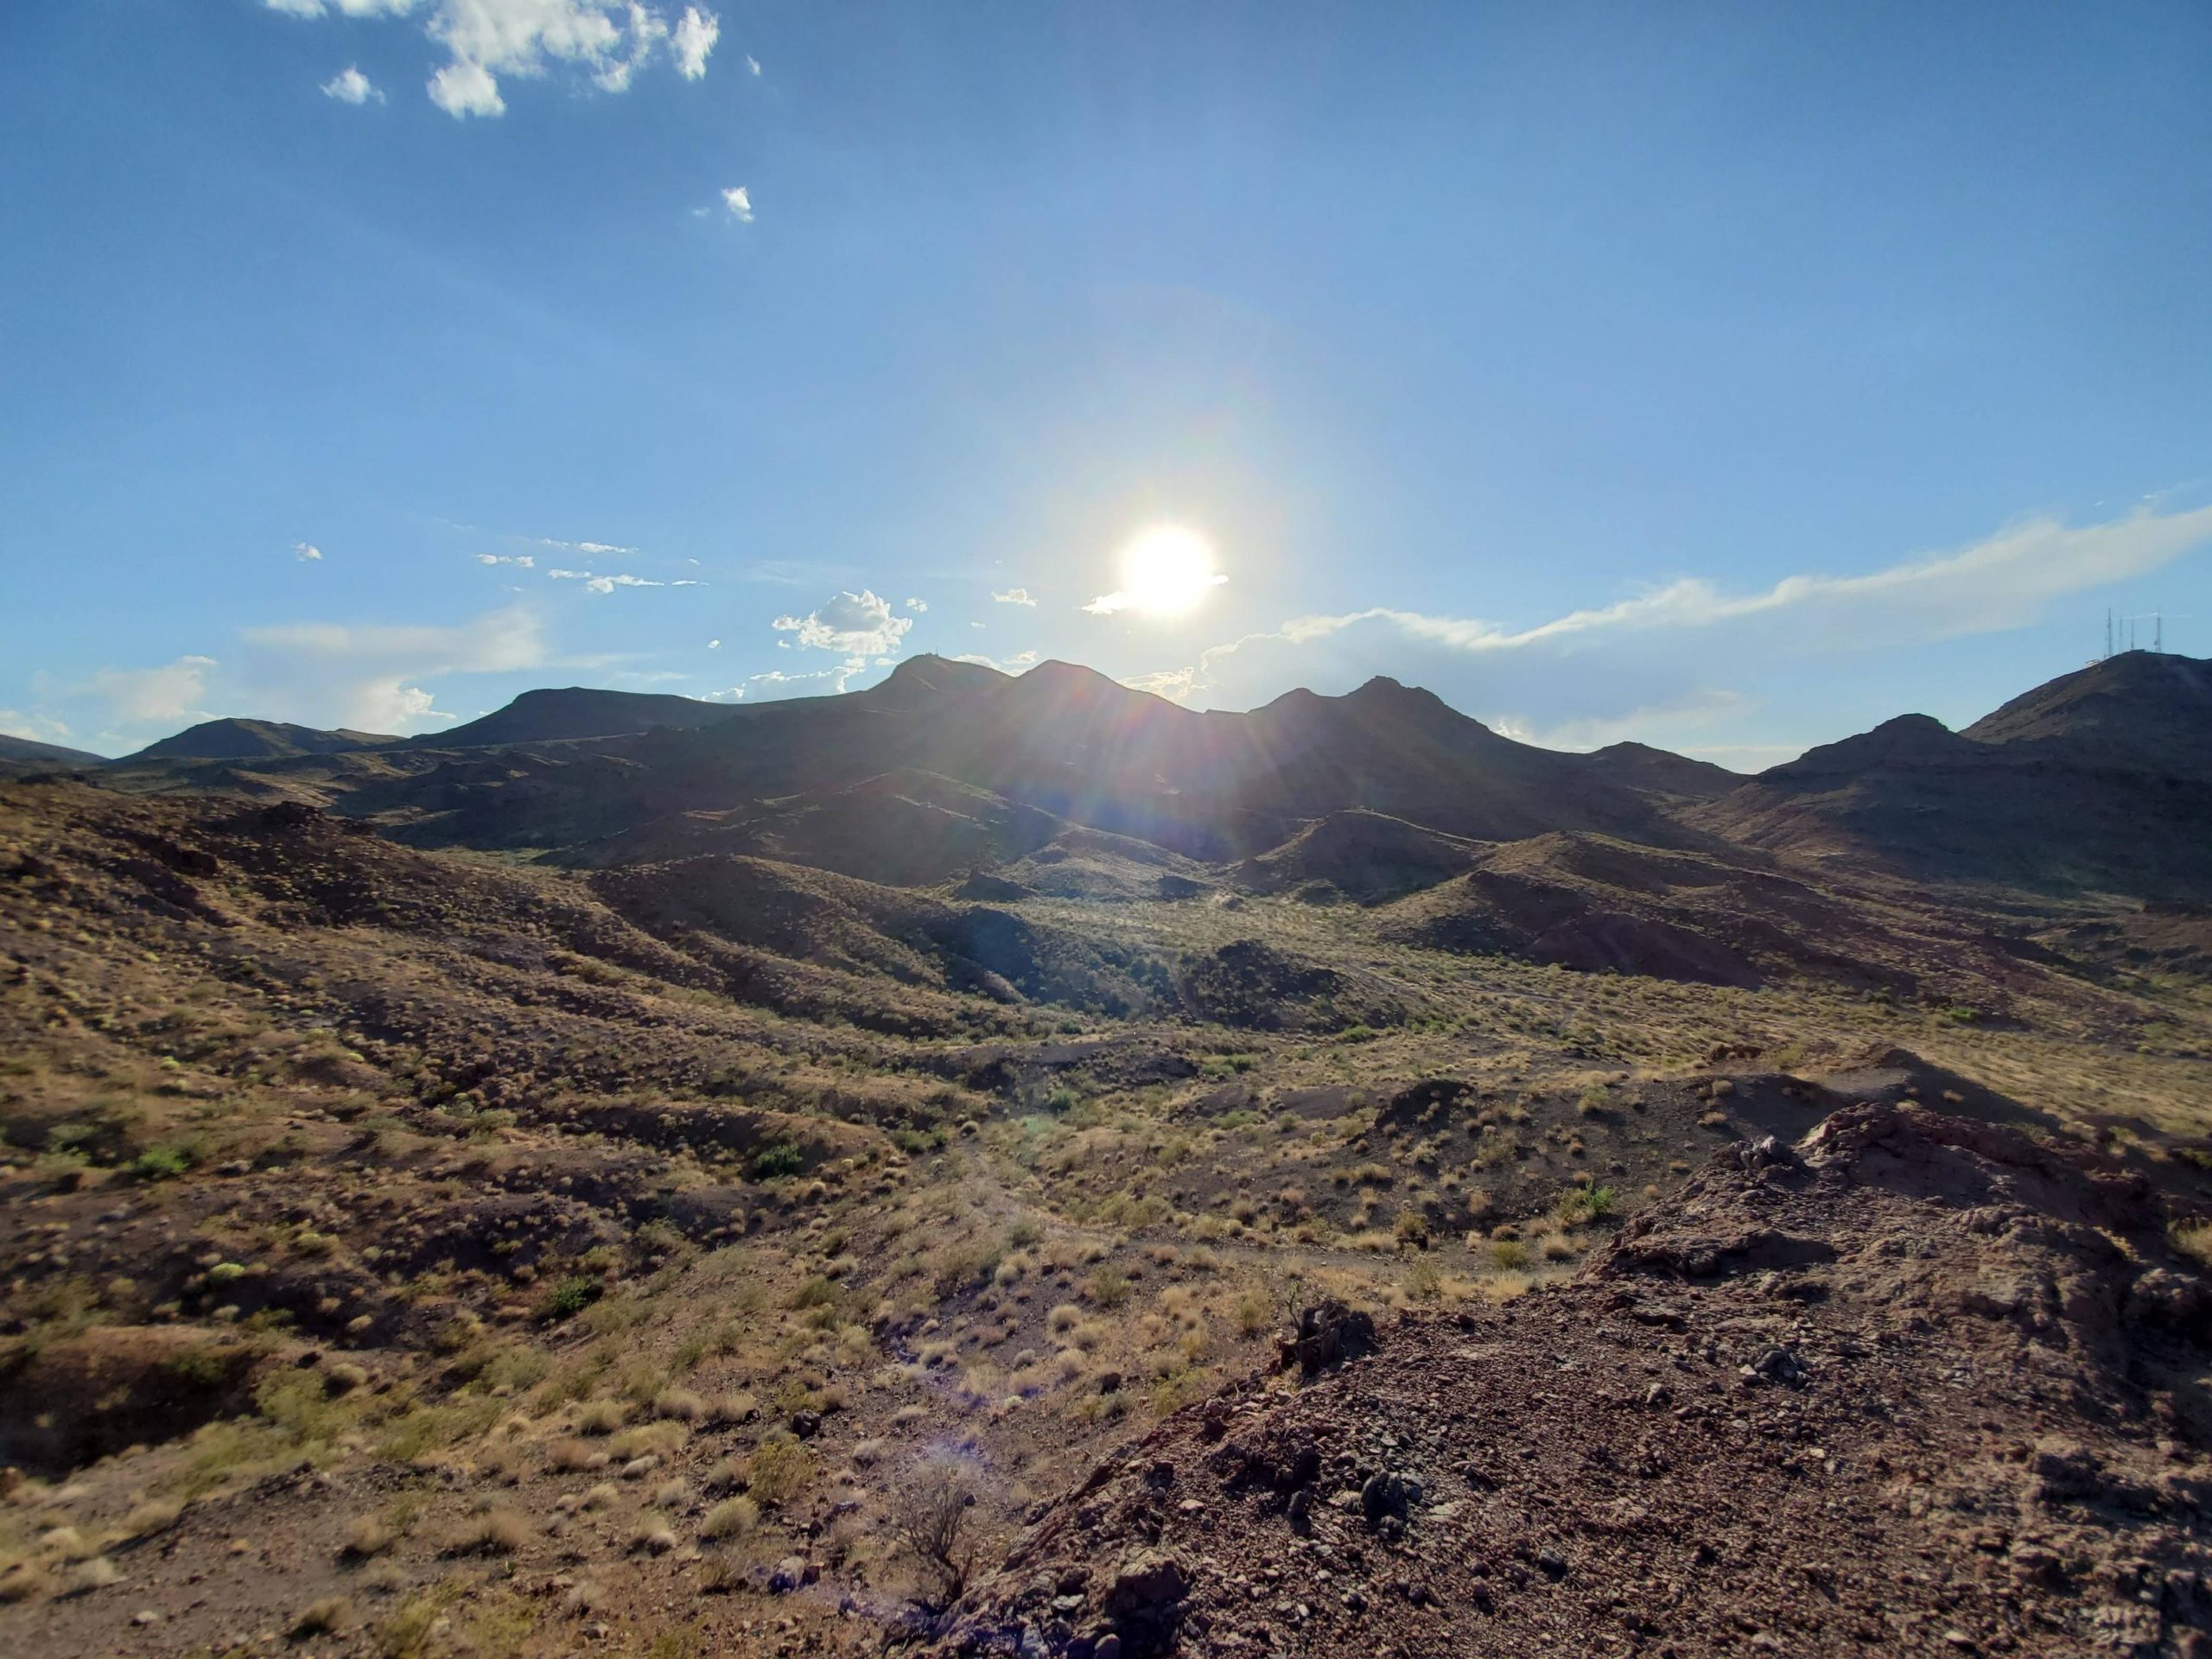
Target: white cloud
[1175, 684]
[738, 200]
[590, 549]
[522, 560]
[174, 691]
[2003, 582]
[714, 645]
[350, 85]
[752, 64]
[484, 39]
[696, 31]
[369, 676]
[916, 605]
[307, 552]
[1023, 659]
[344, 8]
[810, 682]
[1670, 665]
[854, 625]
[1014, 596]
[37, 725]
[462, 88]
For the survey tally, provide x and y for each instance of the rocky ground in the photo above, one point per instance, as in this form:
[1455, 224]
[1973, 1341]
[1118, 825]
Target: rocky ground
[1918, 1386]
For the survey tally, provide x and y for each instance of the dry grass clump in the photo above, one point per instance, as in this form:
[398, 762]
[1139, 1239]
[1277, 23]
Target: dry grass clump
[682, 1404]
[497, 1532]
[569, 1456]
[2193, 1240]
[366, 1536]
[727, 1410]
[602, 1416]
[95, 1572]
[147, 1518]
[325, 1617]
[734, 1518]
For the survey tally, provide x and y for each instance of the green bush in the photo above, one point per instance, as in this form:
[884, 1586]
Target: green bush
[566, 1298]
[159, 1164]
[772, 1162]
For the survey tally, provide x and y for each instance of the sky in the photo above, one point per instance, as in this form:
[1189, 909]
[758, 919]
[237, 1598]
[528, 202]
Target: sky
[1725, 378]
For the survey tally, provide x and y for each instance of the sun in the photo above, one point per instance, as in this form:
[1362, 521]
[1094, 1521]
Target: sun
[1167, 569]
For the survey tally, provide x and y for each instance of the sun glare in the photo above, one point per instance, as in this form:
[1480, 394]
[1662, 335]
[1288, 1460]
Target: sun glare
[1167, 569]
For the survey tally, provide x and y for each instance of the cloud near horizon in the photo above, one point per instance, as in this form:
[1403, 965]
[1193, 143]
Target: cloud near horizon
[1647, 666]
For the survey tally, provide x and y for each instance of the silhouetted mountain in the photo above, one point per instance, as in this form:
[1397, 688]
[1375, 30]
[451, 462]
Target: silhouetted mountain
[1009, 756]
[24, 751]
[253, 739]
[2100, 780]
[574, 711]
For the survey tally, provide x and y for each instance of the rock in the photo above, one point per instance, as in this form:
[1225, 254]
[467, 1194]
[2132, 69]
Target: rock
[1144, 1603]
[1328, 1333]
[806, 1424]
[1389, 1496]
[1551, 1563]
[1109, 1382]
[1108, 1646]
[792, 1572]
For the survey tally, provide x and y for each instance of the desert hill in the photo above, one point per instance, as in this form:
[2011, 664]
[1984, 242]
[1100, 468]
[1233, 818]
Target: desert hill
[575, 712]
[24, 751]
[252, 740]
[2098, 781]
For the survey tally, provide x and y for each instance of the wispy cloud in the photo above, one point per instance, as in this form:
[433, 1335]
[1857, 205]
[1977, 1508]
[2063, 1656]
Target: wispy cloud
[174, 691]
[522, 560]
[307, 552]
[1014, 596]
[738, 200]
[1668, 664]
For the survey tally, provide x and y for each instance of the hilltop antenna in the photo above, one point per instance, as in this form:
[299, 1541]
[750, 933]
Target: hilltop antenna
[2157, 631]
[2107, 656]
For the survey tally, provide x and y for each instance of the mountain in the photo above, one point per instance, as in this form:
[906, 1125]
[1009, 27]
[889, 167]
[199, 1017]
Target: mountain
[23, 751]
[1659, 772]
[2147, 711]
[992, 765]
[254, 740]
[2101, 780]
[574, 711]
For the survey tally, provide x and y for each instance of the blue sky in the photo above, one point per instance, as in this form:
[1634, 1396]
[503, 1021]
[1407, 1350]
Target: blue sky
[1727, 378]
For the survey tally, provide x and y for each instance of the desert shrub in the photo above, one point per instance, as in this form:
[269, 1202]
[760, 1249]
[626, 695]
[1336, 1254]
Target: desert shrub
[159, 1164]
[1108, 1287]
[933, 1519]
[778, 1471]
[776, 1161]
[1586, 1204]
[566, 1298]
[1508, 1254]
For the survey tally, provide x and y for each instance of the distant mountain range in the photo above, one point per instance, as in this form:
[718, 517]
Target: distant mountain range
[2101, 780]
[23, 751]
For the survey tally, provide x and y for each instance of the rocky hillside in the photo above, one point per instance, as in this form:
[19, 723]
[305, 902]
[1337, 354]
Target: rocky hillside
[1917, 1385]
